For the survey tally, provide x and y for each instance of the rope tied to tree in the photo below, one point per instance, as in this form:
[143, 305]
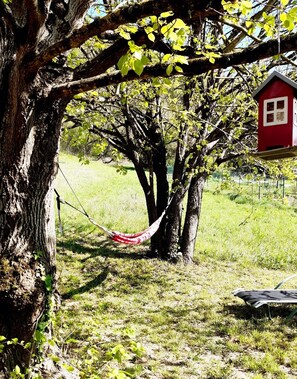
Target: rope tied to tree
[116, 236]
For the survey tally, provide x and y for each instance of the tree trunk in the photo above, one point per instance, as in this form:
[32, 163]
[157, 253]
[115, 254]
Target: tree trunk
[162, 185]
[172, 227]
[27, 236]
[192, 217]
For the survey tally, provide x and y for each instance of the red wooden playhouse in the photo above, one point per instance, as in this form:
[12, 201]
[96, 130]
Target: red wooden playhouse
[277, 117]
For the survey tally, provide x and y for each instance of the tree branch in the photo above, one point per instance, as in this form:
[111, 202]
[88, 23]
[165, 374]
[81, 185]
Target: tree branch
[36, 15]
[110, 56]
[5, 13]
[76, 12]
[195, 67]
[191, 9]
[237, 38]
[106, 59]
[244, 33]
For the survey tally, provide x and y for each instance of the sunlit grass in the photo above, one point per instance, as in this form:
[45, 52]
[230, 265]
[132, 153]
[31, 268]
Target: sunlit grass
[154, 320]
[253, 233]
[112, 199]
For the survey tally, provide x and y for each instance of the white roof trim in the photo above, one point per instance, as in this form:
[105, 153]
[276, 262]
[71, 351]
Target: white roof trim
[275, 74]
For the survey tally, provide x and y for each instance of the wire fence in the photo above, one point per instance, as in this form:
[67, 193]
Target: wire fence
[261, 188]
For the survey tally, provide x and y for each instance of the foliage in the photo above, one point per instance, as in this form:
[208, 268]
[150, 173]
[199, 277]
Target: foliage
[175, 32]
[267, 20]
[198, 123]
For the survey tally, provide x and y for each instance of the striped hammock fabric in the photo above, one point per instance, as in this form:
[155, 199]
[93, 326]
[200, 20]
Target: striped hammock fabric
[134, 238]
[125, 238]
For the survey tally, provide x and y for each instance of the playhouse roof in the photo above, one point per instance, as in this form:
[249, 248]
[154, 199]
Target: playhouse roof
[275, 74]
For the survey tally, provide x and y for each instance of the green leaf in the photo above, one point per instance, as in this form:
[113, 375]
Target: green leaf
[144, 60]
[48, 282]
[39, 336]
[177, 47]
[124, 34]
[153, 19]
[181, 59]
[247, 4]
[178, 69]
[151, 37]
[166, 14]
[249, 24]
[13, 341]
[169, 69]
[28, 345]
[17, 370]
[121, 62]
[167, 81]
[230, 7]
[178, 23]
[149, 30]
[55, 358]
[138, 67]
[131, 28]
[68, 367]
[165, 29]
[166, 58]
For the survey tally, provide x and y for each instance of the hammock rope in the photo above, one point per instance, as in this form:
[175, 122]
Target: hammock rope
[116, 236]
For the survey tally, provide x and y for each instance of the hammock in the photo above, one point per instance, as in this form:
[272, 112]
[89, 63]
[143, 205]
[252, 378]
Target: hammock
[131, 238]
[119, 237]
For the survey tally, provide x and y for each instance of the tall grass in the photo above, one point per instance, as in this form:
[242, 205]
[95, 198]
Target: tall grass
[261, 233]
[243, 229]
[126, 316]
[112, 199]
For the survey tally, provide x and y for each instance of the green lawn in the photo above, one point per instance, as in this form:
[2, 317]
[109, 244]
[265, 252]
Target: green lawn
[125, 316]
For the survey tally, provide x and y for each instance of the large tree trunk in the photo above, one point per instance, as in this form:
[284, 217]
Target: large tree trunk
[29, 137]
[192, 217]
[27, 239]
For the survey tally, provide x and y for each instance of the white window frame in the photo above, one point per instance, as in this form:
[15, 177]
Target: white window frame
[295, 112]
[274, 111]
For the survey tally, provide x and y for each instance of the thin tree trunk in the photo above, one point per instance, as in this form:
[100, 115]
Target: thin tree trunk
[171, 246]
[192, 217]
[160, 170]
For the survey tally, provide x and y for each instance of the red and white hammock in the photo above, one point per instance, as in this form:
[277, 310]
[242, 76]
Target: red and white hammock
[131, 238]
[125, 238]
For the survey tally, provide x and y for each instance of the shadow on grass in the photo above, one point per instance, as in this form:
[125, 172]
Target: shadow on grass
[246, 312]
[103, 248]
[99, 279]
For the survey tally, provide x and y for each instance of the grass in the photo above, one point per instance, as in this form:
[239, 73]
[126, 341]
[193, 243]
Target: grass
[125, 316]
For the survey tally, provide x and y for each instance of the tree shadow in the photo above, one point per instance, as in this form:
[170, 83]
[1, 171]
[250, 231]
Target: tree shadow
[106, 249]
[99, 279]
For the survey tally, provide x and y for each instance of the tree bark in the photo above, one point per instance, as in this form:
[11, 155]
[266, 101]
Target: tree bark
[172, 230]
[192, 217]
[27, 234]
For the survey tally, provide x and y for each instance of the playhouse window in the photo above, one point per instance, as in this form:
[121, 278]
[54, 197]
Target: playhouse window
[275, 111]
